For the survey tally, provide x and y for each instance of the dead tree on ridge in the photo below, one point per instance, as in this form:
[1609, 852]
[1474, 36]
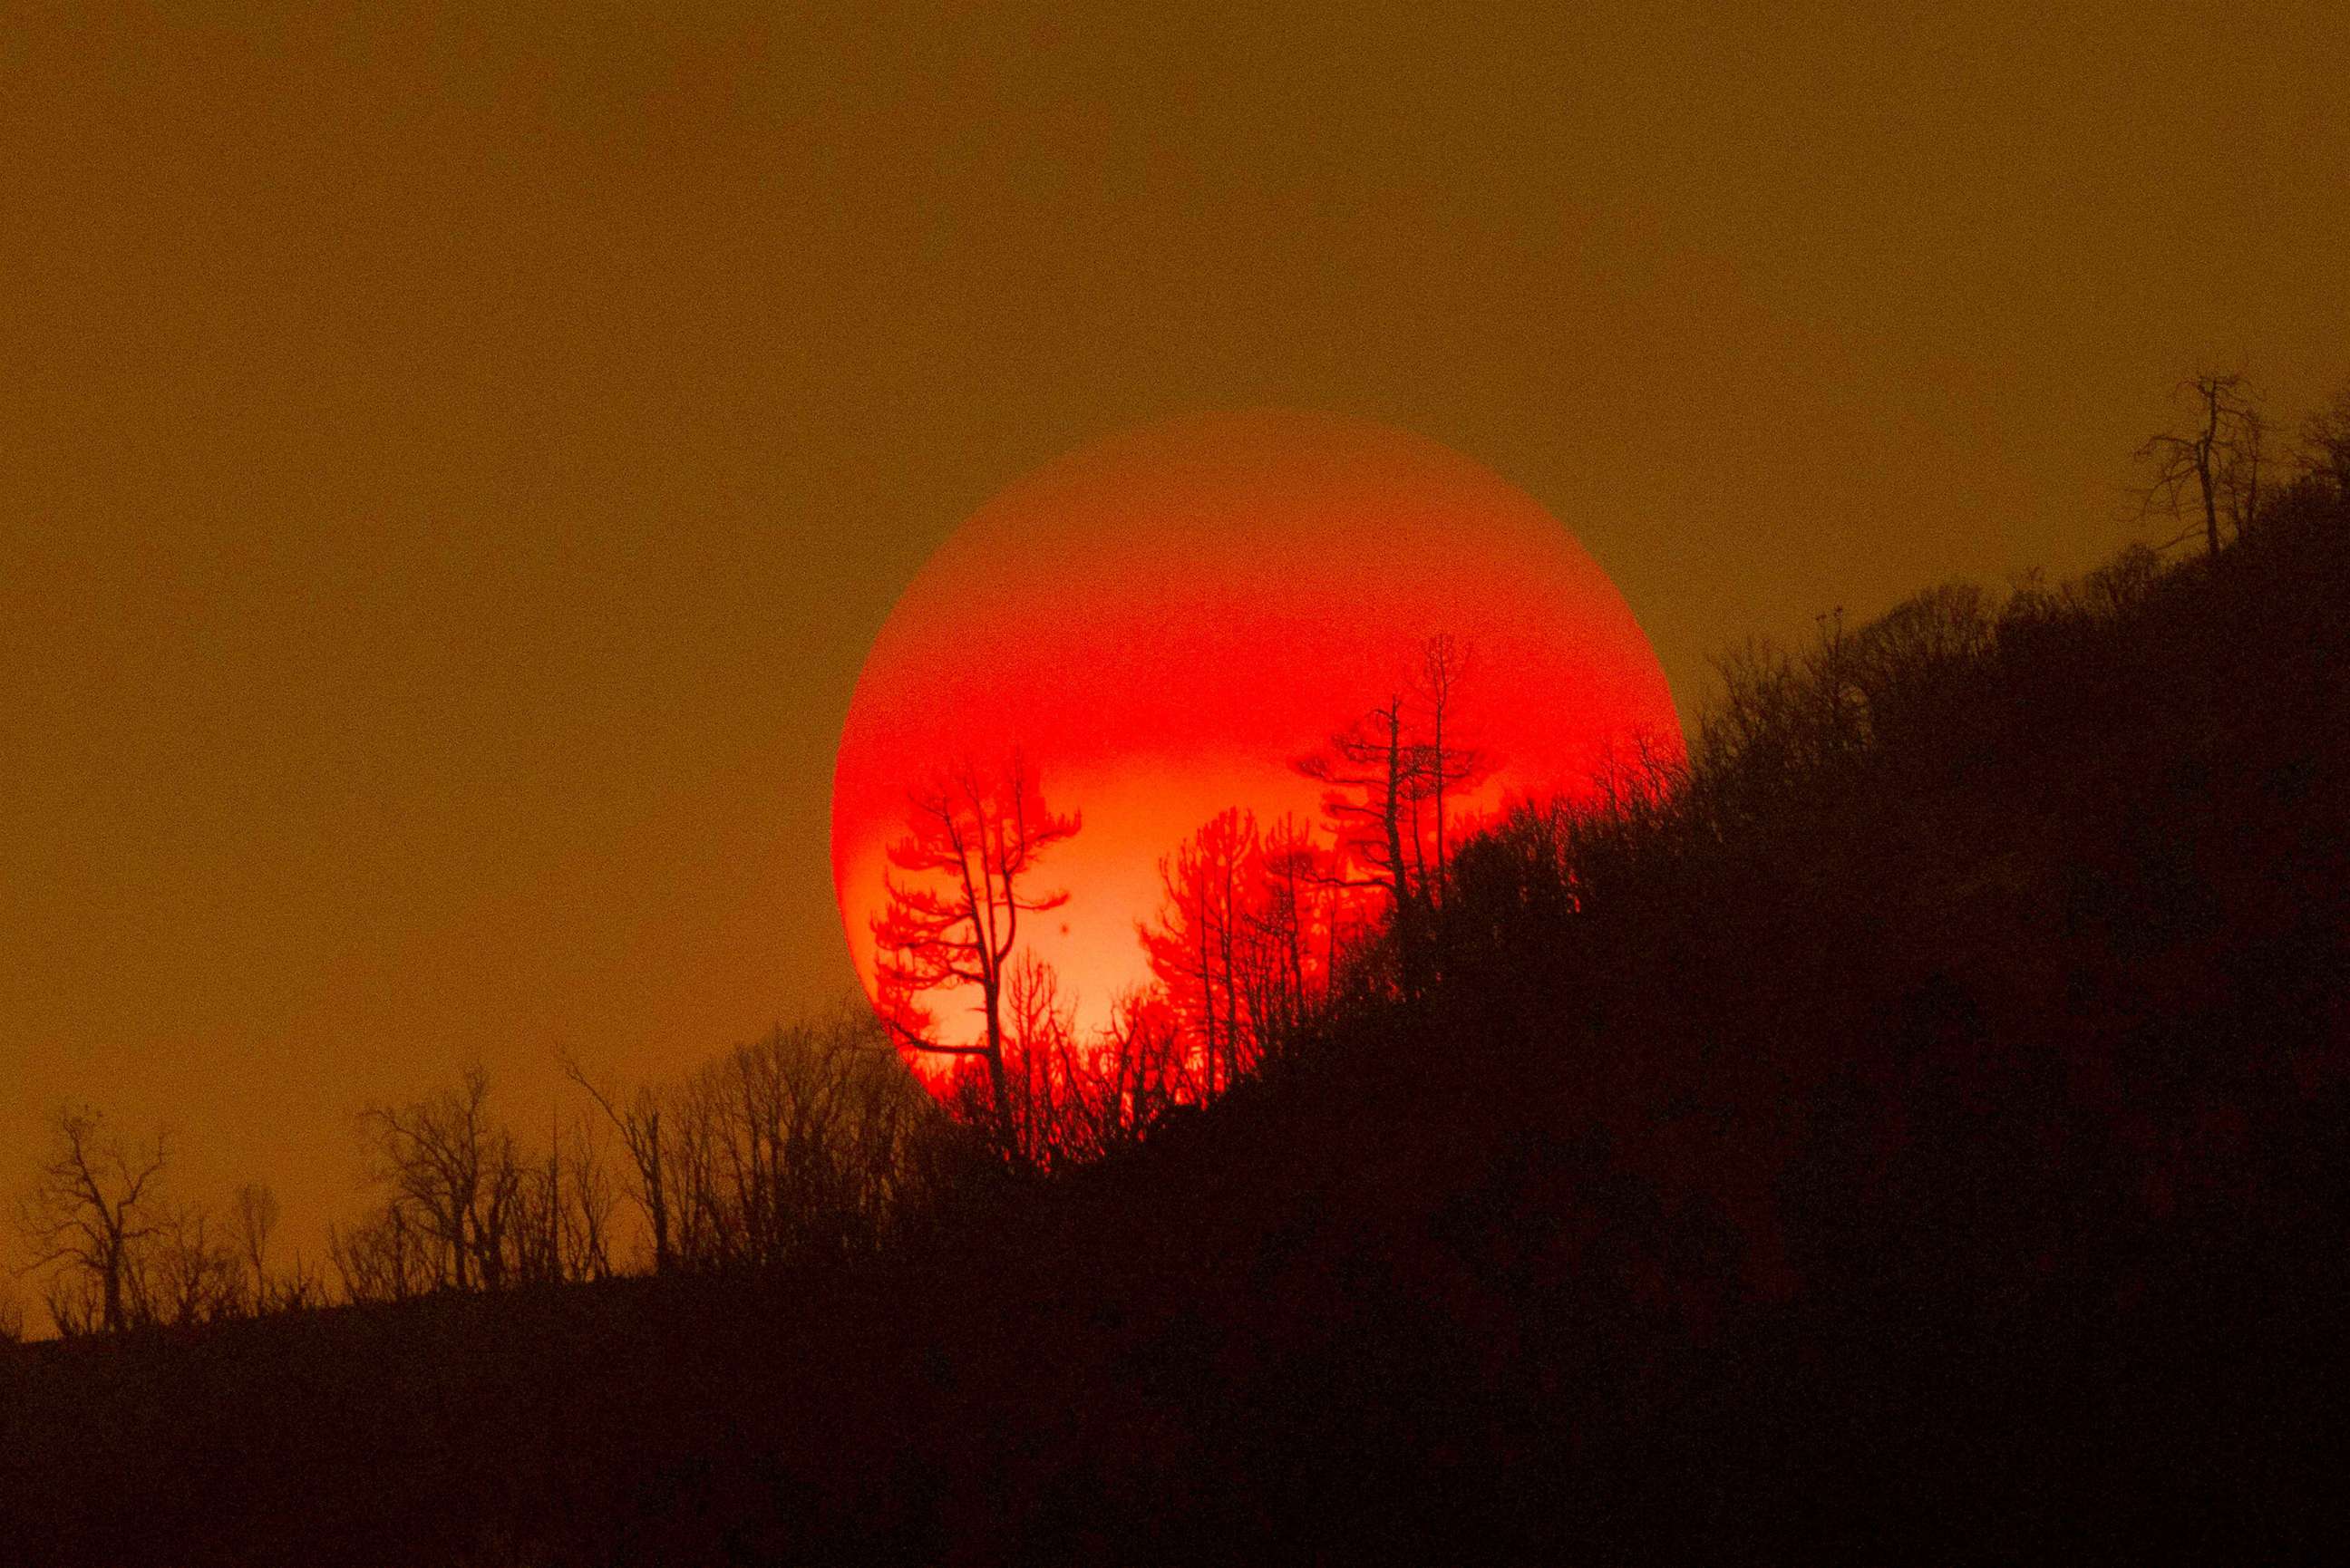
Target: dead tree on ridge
[91, 1209]
[954, 909]
[2215, 460]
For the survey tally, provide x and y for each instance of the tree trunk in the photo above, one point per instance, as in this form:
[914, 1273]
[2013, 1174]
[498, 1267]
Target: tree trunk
[111, 1310]
[999, 1084]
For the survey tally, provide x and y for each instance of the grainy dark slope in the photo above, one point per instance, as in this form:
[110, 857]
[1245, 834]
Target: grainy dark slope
[1929, 1138]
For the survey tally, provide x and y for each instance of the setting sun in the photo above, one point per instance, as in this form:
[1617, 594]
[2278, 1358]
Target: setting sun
[1161, 628]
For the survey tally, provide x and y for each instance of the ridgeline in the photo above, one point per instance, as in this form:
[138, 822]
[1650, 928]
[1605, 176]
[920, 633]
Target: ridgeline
[1919, 1126]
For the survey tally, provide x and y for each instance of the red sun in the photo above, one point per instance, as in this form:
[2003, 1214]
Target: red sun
[1161, 624]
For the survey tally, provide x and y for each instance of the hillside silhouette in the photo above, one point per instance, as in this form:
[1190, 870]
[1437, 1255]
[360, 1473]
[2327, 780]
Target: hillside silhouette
[1917, 1125]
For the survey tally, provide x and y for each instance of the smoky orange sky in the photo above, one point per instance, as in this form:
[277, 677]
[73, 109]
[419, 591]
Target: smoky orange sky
[455, 463]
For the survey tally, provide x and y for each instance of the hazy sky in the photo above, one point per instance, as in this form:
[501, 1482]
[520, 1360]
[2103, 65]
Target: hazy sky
[452, 465]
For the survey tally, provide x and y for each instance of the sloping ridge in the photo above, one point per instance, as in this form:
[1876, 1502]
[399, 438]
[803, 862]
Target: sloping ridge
[1926, 1133]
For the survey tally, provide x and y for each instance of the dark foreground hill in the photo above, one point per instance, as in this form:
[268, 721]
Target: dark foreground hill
[1925, 1134]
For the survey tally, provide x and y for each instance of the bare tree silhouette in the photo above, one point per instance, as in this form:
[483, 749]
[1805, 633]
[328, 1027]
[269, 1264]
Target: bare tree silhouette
[584, 1202]
[2323, 451]
[2214, 459]
[1042, 1072]
[953, 915]
[1293, 936]
[451, 1172]
[253, 1219]
[1390, 779]
[1443, 765]
[1197, 945]
[640, 1127]
[91, 1209]
[385, 1256]
[1367, 774]
[1136, 1072]
[188, 1274]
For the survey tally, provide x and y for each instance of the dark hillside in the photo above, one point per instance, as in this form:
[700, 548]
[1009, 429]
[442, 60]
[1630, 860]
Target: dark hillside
[1920, 1130]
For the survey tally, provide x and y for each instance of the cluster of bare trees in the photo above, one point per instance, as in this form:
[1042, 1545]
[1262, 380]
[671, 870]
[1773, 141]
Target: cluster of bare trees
[1066, 1099]
[1254, 926]
[464, 1208]
[1785, 717]
[117, 1251]
[814, 1142]
[1257, 926]
[960, 883]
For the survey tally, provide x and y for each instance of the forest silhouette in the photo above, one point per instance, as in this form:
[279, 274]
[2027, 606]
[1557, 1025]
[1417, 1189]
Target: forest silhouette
[1915, 1120]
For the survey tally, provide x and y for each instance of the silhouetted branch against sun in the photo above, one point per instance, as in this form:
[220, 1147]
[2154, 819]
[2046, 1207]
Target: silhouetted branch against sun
[954, 906]
[1198, 945]
[1392, 779]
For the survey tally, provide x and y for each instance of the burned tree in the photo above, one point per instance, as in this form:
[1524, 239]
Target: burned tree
[91, 1211]
[252, 1220]
[1197, 945]
[452, 1174]
[1391, 784]
[640, 1127]
[2323, 451]
[1293, 934]
[1043, 1067]
[1367, 778]
[1246, 939]
[2214, 460]
[954, 909]
[1444, 768]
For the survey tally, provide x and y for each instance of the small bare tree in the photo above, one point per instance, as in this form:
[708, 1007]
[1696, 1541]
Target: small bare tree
[187, 1275]
[586, 1204]
[252, 1222]
[1392, 779]
[1443, 765]
[1198, 945]
[2325, 448]
[2214, 459]
[1369, 775]
[91, 1209]
[453, 1174]
[638, 1123]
